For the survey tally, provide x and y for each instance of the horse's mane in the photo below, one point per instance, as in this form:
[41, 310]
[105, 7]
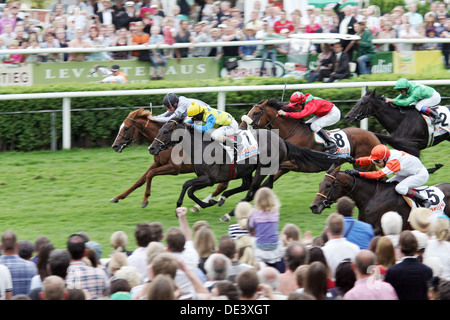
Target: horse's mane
[141, 112]
[273, 103]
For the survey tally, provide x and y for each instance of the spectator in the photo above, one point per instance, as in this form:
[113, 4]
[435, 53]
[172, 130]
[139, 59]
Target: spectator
[365, 48]
[269, 51]
[140, 37]
[409, 277]
[42, 265]
[119, 242]
[51, 42]
[54, 288]
[358, 232]
[313, 27]
[224, 11]
[311, 18]
[386, 32]
[290, 233]
[79, 275]
[144, 234]
[26, 249]
[296, 255]
[246, 252]
[123, 39]
[371, 20]
[325, 64]
[346, 26]
[271, 277]
[316, 283]
[366, 287]
[438, 245]
[345, 280]
[119, 289]
[183, 36]
[157, 58]
[217, 268]
[406, 32]
[248, 284]
[391, 226]
[201, 34]
[179, 242]
[162, 287]
[431, 34]
[38, 243]
[241, 212]
[255, 22]
[227, 247]
[130, 274]
[415, 18]
[300, 277]
[226, 289]
[118, 260]
[385, 254]
[169, 32]
[316, 254]
[58, 265]
[337, 248]
[341, 69]
[283, 23]
[22, 271]
[6, 286]
[264, 219]
[61, 37]
[250, 51]
[8, 34]
[205, 244]
[231, 34]
[79, 42]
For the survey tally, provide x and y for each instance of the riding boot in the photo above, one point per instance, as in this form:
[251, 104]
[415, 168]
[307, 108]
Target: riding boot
[423, 202]
[435, 118]
[330, 146]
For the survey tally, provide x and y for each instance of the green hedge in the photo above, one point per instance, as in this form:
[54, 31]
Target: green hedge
[91, 129]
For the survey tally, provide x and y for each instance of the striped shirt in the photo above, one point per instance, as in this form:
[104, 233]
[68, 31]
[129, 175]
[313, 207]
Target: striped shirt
[81, 276]
[22, 271]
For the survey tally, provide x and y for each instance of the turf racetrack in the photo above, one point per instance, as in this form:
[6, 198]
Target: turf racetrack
[60, 193]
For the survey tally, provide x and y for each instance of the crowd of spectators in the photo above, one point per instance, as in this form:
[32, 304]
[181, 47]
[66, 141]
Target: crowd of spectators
[347, 261]
[120, 23]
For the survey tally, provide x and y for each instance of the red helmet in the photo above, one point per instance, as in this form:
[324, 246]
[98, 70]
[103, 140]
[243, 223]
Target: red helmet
[380, 152]
[296, 98]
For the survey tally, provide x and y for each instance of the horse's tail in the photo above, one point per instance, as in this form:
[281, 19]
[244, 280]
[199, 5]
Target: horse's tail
[308, 160]
[408, 145]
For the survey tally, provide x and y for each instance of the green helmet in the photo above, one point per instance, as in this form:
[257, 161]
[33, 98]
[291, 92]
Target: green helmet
[402, 84]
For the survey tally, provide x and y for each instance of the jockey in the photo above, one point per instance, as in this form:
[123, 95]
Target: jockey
[408, 170]
[326, 114]
[223, 122]
[419, 95]
[176, 107]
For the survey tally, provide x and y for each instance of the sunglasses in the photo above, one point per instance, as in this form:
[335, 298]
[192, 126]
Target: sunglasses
[378, 161]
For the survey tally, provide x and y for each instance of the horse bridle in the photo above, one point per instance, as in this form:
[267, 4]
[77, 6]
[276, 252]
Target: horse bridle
[327, 202]
[359, 117]
[129, 141]
[163, 146]
[267, 126]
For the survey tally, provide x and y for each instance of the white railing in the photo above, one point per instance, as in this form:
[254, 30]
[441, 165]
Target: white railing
[207, 44]
[221, 95]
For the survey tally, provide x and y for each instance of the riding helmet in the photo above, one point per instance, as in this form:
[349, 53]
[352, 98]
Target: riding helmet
[194, 109]
[402, 83]
[296, 98]
[379, 152]
[170, 99]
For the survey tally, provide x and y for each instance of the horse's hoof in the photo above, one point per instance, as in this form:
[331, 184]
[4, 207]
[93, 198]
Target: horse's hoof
[221, 201]
[213, 201]
[113, 200]
[144, 204]
[195, 209]
[225, 218]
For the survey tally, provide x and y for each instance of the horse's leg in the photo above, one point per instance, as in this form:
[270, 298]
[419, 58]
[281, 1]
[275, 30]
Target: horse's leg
[269, 183]
[255, 185]
[196, 187]
[211, 198]
[246, 182]
[136, 185]
[166, 169]
[189, 184]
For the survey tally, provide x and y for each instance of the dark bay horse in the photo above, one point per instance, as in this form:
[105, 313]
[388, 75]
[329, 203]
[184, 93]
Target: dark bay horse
[372, 197]
[212, 165]
[401, 122]
[297, 132]
[136, 124]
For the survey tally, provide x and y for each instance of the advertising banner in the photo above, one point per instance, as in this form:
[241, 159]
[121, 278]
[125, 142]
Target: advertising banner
[382, 62]
[14, 75]
[417, 61]
[136, 71]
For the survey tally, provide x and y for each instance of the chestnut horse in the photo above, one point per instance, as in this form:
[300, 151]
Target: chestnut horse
[372, 197]
[297, 132]
[136, 124]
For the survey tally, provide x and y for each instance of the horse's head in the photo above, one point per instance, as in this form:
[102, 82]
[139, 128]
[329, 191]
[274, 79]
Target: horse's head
[331, 188]
[166, 137]
[263, 113]
[365, 107]
[130, 129]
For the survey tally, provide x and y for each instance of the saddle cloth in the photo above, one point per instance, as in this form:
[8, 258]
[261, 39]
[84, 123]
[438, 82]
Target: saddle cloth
[434, 195]
[247, 146]
[441, 128]
[340, 138]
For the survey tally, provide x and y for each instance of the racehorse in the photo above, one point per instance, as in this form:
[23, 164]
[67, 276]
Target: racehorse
[296, 131]
[372, 197]
[223, 169]
[137, 124]
[401, 122]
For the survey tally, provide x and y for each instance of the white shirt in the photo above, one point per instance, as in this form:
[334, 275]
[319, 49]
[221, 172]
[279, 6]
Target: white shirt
[191, 258]
[336, 250]
[441, 250]
[138, 259]
[344, 24]
[5, 281]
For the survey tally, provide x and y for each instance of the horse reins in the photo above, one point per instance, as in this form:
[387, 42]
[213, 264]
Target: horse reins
[328, 202]
[163, 145]
[358, 117]
[129, 141]
[272, 120]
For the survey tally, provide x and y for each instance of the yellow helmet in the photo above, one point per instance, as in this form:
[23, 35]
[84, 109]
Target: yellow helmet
[194, 109]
